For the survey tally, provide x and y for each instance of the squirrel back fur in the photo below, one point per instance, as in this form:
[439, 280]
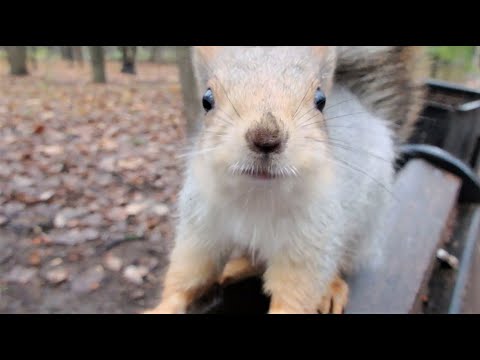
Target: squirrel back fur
[388, 80]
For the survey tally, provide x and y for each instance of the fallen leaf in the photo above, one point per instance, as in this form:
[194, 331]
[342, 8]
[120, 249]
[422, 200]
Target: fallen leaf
[47, 115]
[117, 214]
[75, 236]
[130, 163]
[67, 214]
[108, 144]
[57, 275]
[136, 208]
[41, 239]
[34, 259]
[137, 294]
[135, 274]
[107, 163]
[112, 262]
[22, 181]
[46, 195]
[55, 262]
[39, 129]
[89, 280]
[52, 150]
[93, 220]
[161, 209]
[20, 275]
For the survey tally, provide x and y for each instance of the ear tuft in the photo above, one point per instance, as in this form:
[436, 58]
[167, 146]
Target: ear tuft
[206, 53]
[327, 56]
[323, 52]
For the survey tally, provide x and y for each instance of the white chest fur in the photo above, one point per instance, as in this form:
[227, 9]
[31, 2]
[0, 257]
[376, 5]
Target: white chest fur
[304, 217]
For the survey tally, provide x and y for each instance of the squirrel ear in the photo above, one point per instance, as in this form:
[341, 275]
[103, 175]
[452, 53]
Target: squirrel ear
[327, 56]
[324, 52]
[206, 53]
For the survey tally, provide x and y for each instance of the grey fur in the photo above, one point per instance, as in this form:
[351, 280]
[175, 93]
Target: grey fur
[387, 79]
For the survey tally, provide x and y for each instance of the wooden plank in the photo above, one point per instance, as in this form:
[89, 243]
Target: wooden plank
[472, 297]
[466, 294]
[443, 278]
[415, 223]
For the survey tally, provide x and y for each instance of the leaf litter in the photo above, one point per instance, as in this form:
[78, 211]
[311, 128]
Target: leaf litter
[88, 180]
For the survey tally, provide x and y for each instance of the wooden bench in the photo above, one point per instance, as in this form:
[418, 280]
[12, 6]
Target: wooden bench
[435, 208]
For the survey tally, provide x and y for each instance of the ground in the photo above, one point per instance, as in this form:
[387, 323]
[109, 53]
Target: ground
[89, 176]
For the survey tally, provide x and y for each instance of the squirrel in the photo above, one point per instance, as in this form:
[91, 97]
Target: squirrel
[291, 170]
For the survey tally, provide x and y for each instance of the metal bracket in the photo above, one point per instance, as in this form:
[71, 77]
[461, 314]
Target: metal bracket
[470, 191]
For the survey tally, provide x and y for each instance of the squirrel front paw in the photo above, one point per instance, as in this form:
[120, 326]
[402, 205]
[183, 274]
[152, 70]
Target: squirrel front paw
[172, 305]
[238, 269]
[335, 301]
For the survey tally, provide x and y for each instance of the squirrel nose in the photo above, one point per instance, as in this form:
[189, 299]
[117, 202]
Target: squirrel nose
[267, 146]
[265, 141]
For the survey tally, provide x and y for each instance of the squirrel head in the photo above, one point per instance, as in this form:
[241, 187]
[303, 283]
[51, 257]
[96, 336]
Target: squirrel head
[263, 108]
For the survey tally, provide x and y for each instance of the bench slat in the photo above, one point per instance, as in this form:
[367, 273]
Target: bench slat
[466, 294]
[415, 222]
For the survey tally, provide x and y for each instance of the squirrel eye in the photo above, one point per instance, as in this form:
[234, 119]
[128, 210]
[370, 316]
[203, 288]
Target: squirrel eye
[320, 99]
[208, 101]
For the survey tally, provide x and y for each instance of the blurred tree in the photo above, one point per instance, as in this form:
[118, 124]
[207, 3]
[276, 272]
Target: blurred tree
[153, 53]
[451, 56]
[17, 58]
[452, 53]
[98, 64]
[32, 55]
[67, 53]
[191, 99]
[165, 54]
[128, 59]
[77, 54]
[157, 53]
[476, 57]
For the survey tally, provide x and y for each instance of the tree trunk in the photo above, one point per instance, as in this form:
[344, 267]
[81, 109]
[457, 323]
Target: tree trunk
[476, 57]
[78, 54]
[17, 58]
[33, 57]
[67, 53]
[191, 99]
[434, 67]
[98, 64]
[128, 59]
[153, 53]
[157, 54]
